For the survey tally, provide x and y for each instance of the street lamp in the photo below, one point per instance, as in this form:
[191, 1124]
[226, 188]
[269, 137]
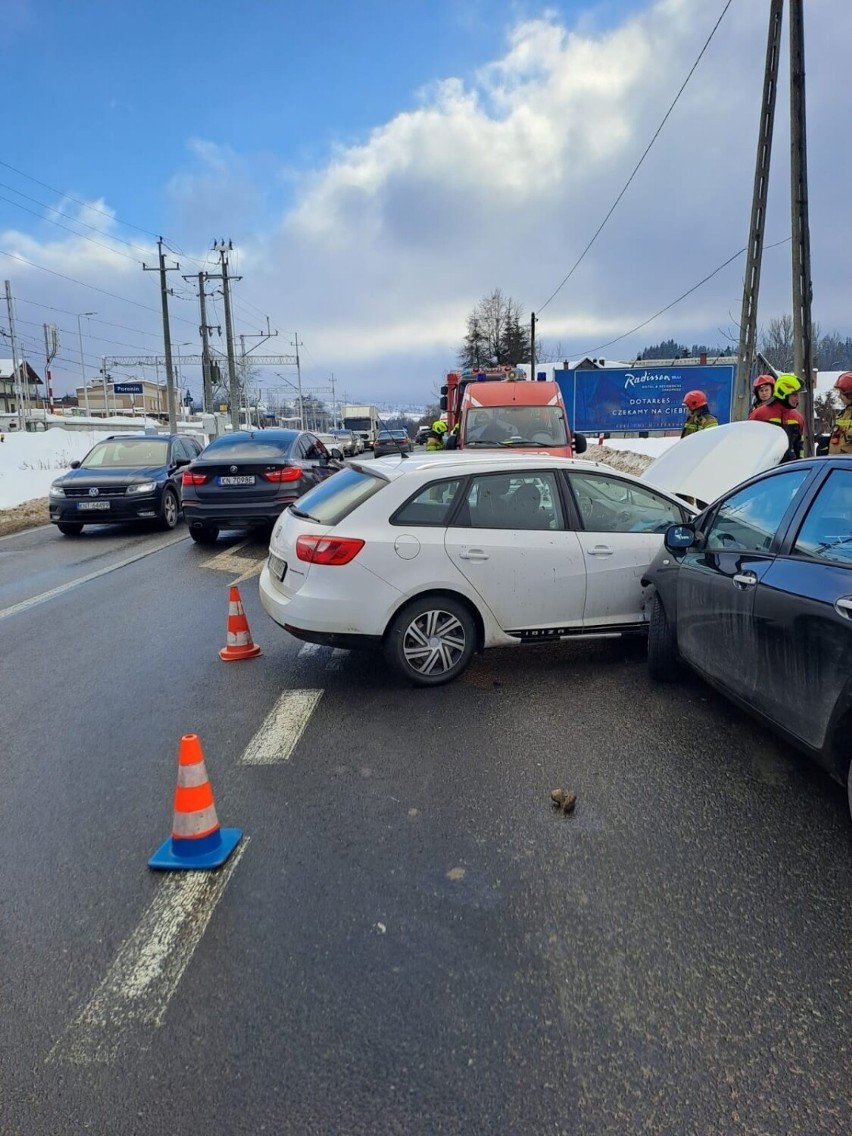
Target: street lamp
[82, 364]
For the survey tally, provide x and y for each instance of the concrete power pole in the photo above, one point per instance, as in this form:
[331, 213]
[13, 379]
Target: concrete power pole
[751, 285]
[204, 331]
[19, 377]
[297, 345]
[167, 337]
[802, 284]
[532, 347]
[233, 387]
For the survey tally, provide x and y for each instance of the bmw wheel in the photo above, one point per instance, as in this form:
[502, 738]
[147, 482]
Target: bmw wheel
[169, 510]
[431, 640]
[70, 528]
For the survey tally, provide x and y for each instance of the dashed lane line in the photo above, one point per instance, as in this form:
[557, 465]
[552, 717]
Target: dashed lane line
[284, 725]
[54, 593]
[149, 965]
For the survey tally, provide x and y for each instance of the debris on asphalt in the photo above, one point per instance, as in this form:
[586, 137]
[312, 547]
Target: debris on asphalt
[564, 800]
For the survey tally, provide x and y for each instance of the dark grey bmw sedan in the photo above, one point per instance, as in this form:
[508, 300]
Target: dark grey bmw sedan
[245, 479]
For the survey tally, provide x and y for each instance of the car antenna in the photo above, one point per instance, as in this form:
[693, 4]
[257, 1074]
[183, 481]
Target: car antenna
[403, 456]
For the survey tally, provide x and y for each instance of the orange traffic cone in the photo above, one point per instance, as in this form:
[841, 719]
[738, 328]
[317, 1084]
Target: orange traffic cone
[240, 645]
[197, 841]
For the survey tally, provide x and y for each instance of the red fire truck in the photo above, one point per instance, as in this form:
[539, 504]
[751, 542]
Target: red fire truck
[499, 408]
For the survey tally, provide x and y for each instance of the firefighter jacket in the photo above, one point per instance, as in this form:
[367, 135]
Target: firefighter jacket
[434, 442]
[841, 435]
[698, 420]
[789, 419]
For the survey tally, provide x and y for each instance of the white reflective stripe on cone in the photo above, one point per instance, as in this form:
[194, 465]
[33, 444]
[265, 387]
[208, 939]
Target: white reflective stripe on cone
[193, 824]
[191, 775]
[239, 639]
[235, 607]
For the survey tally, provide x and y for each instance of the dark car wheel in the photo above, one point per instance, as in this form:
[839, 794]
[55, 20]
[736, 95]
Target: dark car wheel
[169, 511]
[70, 528]
[663, 659]
[207, 534]
[430, 641]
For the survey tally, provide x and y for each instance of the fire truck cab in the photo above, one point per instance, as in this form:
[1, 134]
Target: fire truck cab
[500, 408]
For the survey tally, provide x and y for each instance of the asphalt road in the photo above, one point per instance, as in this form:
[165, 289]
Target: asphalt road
[409, 939]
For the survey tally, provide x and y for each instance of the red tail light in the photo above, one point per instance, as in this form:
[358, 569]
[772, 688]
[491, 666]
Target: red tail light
[190, 478]
[328, 549]
[287, 473]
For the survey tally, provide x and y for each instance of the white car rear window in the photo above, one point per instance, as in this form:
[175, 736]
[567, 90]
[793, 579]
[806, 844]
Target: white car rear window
[335, 498]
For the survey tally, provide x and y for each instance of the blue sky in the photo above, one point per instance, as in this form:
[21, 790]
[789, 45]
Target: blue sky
[381, 166]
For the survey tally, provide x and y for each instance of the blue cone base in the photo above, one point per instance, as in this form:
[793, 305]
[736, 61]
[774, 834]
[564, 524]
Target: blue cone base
[207, 852]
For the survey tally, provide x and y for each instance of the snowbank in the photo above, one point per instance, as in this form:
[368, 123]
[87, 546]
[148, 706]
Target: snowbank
[30, 462]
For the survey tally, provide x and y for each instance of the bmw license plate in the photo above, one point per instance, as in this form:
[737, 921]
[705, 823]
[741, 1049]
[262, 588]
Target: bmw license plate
[277, 566]
[93, 504]
[242, 479]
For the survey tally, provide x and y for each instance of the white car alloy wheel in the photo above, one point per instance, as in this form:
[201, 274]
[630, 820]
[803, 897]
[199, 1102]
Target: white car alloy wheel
[431, 640]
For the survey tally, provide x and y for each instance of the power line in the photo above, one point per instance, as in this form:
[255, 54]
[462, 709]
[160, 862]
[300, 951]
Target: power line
[657, 132]
[592, 350]
[76, 220]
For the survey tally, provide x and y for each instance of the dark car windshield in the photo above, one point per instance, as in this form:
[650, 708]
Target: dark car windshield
[128, 453]
[262, 444]
[334, 499]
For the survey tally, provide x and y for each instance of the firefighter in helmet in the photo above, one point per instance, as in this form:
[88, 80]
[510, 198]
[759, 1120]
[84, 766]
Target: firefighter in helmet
[841, 435]
[435, 440]
[764, 390]
[699, 416]
[782, 411]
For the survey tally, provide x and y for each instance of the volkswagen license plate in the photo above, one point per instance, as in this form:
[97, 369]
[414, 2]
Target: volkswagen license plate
[243, 479]
[93, 504]
[277, 566]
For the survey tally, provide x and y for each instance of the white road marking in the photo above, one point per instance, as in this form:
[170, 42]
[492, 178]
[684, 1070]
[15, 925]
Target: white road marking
[54, 593]
[336, 660]
[228, 561]
[148, 967]
[284, 725]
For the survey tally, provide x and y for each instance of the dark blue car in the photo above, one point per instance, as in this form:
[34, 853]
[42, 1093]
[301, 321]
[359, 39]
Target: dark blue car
[123, 478]
[756, 596]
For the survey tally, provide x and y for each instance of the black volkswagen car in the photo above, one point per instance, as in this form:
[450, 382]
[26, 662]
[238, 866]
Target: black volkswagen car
[756, 596]
[245, 479]
[125, 477]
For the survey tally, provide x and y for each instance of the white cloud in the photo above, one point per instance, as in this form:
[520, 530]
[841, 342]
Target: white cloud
[501, 181]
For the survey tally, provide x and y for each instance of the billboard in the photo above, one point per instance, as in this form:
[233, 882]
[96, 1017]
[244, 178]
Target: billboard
[614, 400]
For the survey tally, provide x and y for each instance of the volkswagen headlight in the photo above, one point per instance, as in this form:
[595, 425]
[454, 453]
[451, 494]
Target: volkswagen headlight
[142, 487]
[56, 491]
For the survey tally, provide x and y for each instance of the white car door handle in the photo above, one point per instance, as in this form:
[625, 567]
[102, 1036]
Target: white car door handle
[600, 550]
[473, 554]
[844, 606]
[747, 579]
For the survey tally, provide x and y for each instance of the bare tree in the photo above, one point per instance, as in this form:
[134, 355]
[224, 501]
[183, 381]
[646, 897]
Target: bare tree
[495, 333]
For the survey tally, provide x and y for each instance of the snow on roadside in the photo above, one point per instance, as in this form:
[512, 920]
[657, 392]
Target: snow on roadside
[30, 462]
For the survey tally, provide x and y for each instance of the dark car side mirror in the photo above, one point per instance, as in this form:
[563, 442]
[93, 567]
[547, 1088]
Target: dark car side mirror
[451, 442]
[580, 443]
[75, 465]
[679, 537]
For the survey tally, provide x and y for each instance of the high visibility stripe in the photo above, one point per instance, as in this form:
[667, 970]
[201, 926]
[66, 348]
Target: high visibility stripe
[190, 800]
[239, 639]
[235, 608]
[189, 775]
[195, 825]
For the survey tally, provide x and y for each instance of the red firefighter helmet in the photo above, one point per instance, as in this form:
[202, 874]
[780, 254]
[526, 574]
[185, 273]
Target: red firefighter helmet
[692, 400]
[762, 381]
[844, 383]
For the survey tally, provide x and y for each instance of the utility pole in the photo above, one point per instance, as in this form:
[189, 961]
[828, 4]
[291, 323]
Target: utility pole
[751, 285]
[223, 249]
[297, 345]
[51, 346]
[802, 284]
[333, 403]
[204, 330]
[167, 338]
[17, 377]
[532, 346]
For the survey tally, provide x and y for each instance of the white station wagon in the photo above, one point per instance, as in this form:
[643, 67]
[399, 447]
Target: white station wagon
[434, 557]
